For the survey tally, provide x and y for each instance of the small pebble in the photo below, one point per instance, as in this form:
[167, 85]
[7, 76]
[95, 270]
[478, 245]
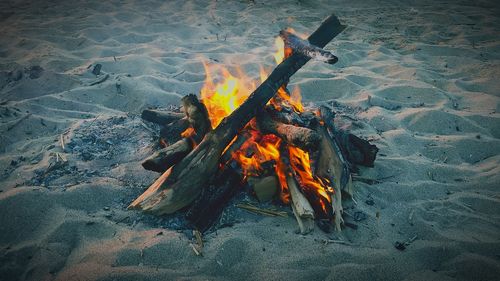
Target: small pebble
[400, 246]
[97, 69]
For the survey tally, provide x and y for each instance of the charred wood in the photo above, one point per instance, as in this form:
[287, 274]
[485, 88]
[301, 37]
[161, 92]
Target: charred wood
[301, 137]
[208, 207]
[172, 131]
[197, 116]
[161, 117]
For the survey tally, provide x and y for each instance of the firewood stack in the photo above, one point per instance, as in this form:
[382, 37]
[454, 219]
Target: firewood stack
[203, 168]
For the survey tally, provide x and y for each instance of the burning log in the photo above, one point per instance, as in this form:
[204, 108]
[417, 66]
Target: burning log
[174, 129]
[177, 187]
[197, 116]
[161, 117]
[302, 137]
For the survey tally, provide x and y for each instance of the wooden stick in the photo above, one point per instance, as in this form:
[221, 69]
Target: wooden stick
[177, 187]
[261, 211]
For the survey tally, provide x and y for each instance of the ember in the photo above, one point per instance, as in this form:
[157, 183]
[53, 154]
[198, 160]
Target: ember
[233, 135]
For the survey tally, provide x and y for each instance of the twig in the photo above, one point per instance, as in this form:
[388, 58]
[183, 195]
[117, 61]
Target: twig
[178, 73]
[330, 241]
[92, 122]
[195, 250]
[199, 239]
[266, 212]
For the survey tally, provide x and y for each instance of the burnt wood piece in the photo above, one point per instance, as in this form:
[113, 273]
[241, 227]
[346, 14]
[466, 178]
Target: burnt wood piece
[197, 115]
[356, 150]
[301, 137]
[177, 187]
[161, 117]
[208, 207]
[172, 131]
[168, 156]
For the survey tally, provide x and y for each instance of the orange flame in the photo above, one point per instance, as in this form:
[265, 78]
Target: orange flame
[223, 97]
[189, 132]
[299, 160]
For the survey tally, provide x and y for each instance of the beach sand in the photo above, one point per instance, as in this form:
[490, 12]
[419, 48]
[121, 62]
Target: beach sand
[420, 79]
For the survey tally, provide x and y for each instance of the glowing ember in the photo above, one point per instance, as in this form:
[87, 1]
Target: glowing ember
[189, 132]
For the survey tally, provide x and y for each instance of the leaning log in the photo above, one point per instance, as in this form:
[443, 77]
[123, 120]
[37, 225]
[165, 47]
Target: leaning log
[208, 207]
[177, 187]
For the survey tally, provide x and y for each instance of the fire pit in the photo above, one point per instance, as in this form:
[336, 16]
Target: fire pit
[265, 138]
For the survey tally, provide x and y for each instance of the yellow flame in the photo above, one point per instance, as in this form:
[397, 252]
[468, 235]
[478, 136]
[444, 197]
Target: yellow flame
[299, 160]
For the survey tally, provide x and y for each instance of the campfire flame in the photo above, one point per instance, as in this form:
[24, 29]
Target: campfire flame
[223, 97]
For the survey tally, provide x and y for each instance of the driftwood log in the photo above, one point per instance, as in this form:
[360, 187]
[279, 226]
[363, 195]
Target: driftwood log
[177, 187]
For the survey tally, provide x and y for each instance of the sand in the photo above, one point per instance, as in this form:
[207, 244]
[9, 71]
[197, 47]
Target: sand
[418, 78]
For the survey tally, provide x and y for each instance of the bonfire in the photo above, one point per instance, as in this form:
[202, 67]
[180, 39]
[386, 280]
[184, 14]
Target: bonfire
[239, 134]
